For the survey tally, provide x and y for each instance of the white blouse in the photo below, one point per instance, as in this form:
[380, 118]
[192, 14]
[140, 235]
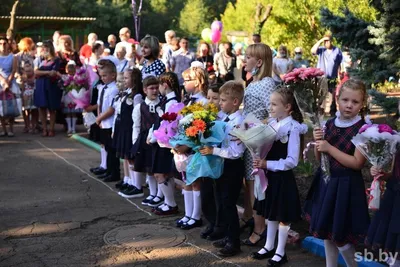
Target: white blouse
[136, 116]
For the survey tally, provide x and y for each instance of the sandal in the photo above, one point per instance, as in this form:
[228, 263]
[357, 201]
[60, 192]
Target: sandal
[247, 241]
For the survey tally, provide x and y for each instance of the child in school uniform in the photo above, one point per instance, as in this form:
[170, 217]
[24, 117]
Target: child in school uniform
[281, 205]
[162, 158]
[384, 231]
[105, 118]
[213, 97]
[229, 184]
[124, 104]
[336, 206]
[144, 116]
[196, 84]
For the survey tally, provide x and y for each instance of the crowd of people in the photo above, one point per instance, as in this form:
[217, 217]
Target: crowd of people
[138, 82]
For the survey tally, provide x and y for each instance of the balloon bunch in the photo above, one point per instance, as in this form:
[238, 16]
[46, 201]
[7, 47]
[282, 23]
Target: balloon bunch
[214, 34]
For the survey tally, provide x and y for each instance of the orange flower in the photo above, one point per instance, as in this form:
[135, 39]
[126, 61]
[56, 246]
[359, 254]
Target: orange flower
[200, 125]
[192, 131]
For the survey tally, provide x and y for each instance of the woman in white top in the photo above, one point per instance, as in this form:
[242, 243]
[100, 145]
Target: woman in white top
[282, 64]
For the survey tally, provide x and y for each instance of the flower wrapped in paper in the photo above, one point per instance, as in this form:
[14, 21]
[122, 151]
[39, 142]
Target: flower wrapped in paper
[198, 128]
[258, 138]
[169, 125]
[310, 89]
[379, 144]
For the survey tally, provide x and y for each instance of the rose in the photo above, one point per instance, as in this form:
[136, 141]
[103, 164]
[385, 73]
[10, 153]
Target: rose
[364, 128]
[384, 128]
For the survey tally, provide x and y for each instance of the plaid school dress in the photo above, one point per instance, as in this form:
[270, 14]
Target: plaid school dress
[338, 210]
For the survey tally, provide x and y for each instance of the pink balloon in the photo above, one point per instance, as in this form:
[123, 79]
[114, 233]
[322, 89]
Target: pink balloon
[215, 36]
[216, 26]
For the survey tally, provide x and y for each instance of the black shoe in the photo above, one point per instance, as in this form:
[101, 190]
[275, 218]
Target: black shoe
[110, 179]
[146, 201]
[207, 231]
[102, 176]
[99, 171]
[272, 263]
[215, 236]
[229, 250]
[257, 256]
[179, 222]
[125, 188]
[132, 193]
[220, 243]
[155, 202]
[92, 170]
[197, 223]
[247, 241]
[169, 211]
[121, 185]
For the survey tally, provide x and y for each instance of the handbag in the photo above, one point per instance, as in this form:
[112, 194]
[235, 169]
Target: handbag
[10, 106]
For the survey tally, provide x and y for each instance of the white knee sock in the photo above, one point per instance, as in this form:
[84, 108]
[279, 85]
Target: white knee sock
[331, 253]
[282, 238]
[152, 185]
[103, 154]
[126, 179]
[347, 252]
[272, 227]
[73, 123]
[138, 180]
[160, 193]
[131, 175]
[168, 189]
[68, 120]
[188, 198]
[196, 214]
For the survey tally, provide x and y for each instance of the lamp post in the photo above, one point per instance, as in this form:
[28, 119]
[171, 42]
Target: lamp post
[136, 17]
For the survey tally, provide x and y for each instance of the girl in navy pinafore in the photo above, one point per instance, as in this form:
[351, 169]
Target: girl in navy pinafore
[337, 207]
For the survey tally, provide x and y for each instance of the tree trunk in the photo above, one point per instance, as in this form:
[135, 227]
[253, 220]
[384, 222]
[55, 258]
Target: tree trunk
[11, 30]
[261, 17]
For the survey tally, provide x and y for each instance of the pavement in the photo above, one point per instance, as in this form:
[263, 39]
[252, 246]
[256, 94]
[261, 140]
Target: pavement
[53, 212]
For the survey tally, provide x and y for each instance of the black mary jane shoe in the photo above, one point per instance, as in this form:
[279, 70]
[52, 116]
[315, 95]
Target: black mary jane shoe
[272, 263]
[197, 223]
[179, 222]
[247, 241]
[257, 256]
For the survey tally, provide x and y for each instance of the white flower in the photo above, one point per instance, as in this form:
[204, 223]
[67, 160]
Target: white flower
[186, 120]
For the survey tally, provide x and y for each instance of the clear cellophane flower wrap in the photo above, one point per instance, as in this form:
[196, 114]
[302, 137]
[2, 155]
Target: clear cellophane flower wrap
[310, 89]
[258, 139]
[379, 144]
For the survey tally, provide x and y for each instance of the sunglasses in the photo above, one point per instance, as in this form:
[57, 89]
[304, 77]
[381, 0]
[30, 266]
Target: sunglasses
[297, 53]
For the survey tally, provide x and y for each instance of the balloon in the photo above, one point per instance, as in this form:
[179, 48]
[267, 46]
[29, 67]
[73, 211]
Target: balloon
[215, 36]
[216, 26]
[206, 34]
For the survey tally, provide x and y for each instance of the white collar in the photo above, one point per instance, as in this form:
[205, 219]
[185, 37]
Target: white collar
[152, 102]
[108, 85]
[343, 123]
[170, 95]
[199, 95]
[233, 115]
[128, 90]
[284, 121]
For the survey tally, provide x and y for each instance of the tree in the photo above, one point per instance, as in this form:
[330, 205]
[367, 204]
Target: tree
[11, 28]
[194, 17]
[261, 16]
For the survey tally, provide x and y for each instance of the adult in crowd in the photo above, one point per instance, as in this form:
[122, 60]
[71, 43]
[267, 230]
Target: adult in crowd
[86, 49]
[47, 96]
[124, 36]
[238, 48]
[67, 52]
[167, 48]
[225, 62]
[182, 59]
[38, 55]
[175, 44]
[282, 64]
[152, 65]
[123, 63]
[204, 55]
[13, 46]
[56, 37]
[8, 85]
[26, 54]
[97, 52]
[299, 61]
[329, 60]
[258, 62]
[256, 38]
[112, 41]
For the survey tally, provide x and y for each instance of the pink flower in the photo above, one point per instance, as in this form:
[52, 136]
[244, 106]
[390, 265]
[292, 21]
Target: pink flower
[364, 128]
[384, 128]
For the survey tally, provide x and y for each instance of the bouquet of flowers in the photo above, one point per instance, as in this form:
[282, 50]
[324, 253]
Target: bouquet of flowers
[75, 87]
[169, 125]
[378, 143]
[258, 138]
[310, 89]
[196, 129]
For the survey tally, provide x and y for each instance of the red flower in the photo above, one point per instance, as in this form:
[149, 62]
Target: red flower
[169, 116]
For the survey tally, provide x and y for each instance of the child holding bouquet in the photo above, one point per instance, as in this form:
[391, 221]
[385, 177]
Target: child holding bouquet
[124, 104]
[69, 105]
[228, 186]
[281, 205]
[161, 156]
[196, 84]
[384, 231]
[336, 206]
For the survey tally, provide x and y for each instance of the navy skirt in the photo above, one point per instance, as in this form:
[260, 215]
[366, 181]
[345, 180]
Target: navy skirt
[142, 153]
[162, 159]
[338, 210]
[282, 201]
[384, 232]
[122, 140]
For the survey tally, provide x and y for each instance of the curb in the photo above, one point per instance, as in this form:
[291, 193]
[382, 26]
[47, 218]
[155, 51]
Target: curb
[86, 142]
[316, 247]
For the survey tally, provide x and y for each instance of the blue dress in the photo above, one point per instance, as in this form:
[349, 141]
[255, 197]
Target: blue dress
[48, 94]
[384, 232]
[338, 210]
